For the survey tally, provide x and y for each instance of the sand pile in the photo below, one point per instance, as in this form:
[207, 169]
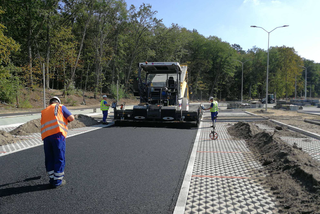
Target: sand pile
[34, 126]
[293, 175]
[6, 138]
[82, 121]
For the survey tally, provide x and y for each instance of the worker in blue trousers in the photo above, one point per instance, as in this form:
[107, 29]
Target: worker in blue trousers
[214, 110]
[104, 107]
[54, 121]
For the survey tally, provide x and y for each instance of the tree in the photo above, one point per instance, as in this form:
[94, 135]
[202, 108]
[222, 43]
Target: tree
[284, 68]
[64, 52]
[140, 24]
[7, 44]
[8, 74]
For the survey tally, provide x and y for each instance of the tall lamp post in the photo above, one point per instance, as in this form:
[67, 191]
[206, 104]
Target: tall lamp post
[305, 81]
[242, 78]
[268, 58]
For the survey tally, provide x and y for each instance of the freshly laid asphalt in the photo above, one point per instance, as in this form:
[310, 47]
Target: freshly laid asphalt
[110, 170]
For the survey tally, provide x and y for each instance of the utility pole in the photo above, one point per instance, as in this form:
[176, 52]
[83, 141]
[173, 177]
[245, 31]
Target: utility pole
[44, 87]
[242, 78]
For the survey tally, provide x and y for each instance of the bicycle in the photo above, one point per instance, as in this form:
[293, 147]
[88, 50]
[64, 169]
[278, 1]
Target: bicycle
[213, 134]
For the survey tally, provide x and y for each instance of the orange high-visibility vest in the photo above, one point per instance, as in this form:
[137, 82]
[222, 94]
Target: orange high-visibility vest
[53, 121]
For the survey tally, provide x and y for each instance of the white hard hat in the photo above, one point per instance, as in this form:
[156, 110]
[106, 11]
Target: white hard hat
[55, 98]
[211, 98]
[104, 96]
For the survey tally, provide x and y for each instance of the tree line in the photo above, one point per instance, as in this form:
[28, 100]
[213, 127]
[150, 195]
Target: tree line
[90, 45]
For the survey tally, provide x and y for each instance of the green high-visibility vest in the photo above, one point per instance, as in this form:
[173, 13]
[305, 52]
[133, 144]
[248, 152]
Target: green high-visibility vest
[215, 107]
[103, 107]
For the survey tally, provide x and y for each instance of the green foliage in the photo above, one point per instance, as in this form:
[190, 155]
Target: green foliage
[9, 84]
[92, 44]
[25, 103]
[71, 101]
[71, 90]
[7, 44]
[121, 91]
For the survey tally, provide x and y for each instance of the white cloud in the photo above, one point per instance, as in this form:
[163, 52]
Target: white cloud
[255, 2]
[275, 2]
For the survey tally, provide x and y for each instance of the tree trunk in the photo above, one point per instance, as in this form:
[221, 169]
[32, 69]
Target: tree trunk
[79, 53]
[85, 86]
[29, 48]
[64, 77]
[196, 84]
[114, 63]
[48, 56]
[30, 63]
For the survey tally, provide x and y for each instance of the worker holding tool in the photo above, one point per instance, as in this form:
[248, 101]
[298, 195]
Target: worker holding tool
[214, 110]
[104, 107]
[54, 121]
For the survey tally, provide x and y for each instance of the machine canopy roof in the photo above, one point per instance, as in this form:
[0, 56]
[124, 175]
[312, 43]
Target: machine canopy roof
[161, 67]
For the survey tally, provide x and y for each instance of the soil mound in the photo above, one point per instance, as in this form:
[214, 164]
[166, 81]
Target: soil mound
[6, 138]
[293, 175]
[243, 130]
[30, 127]
[81, 120]
[34, 126]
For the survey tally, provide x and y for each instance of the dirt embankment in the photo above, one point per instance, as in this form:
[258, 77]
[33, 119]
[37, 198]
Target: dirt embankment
[293, 175]
[34, 126]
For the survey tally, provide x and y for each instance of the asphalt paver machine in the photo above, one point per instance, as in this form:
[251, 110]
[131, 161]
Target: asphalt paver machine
[163, 91]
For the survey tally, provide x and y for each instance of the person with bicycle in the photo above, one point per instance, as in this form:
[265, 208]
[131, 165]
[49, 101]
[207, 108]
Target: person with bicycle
[214, 110]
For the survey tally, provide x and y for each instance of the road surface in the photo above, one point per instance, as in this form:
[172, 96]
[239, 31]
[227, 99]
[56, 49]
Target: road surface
[110, 170]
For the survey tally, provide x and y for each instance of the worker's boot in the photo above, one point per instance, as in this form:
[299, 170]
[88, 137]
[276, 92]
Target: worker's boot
[63, 182]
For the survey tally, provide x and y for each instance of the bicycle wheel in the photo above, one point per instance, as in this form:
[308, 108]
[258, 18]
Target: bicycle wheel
[213, 135]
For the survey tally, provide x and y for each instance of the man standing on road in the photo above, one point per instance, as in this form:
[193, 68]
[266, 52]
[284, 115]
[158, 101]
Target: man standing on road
[54, 121]
[214, 110]
[104, 107]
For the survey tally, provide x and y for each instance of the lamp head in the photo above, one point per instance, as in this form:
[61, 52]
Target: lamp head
[253, 26]
[285, 26]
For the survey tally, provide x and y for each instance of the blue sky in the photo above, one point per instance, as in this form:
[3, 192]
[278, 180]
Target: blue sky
[230, 20]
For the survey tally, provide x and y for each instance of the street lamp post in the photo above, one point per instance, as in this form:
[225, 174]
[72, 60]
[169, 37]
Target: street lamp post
[268, 59]
[242, 78]
[305, 81]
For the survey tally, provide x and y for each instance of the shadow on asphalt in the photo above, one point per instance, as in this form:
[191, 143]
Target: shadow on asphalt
[23, 189]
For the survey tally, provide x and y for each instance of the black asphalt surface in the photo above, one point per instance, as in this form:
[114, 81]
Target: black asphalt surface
[111, 170]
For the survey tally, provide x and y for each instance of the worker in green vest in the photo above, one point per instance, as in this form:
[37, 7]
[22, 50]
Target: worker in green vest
[214, 110]
[104, 107]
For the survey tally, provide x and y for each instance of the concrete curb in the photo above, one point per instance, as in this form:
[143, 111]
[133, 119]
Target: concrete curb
[310, 134]
[184, 190]
[256, 115]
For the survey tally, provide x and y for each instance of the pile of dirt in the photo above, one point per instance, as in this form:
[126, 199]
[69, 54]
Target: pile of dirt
[81, 120]
[34, 126]
[293, 175]
[6, 138]
[30, 127]
[243, 130]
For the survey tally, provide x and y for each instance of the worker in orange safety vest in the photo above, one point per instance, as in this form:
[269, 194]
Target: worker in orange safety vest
[54, 121]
